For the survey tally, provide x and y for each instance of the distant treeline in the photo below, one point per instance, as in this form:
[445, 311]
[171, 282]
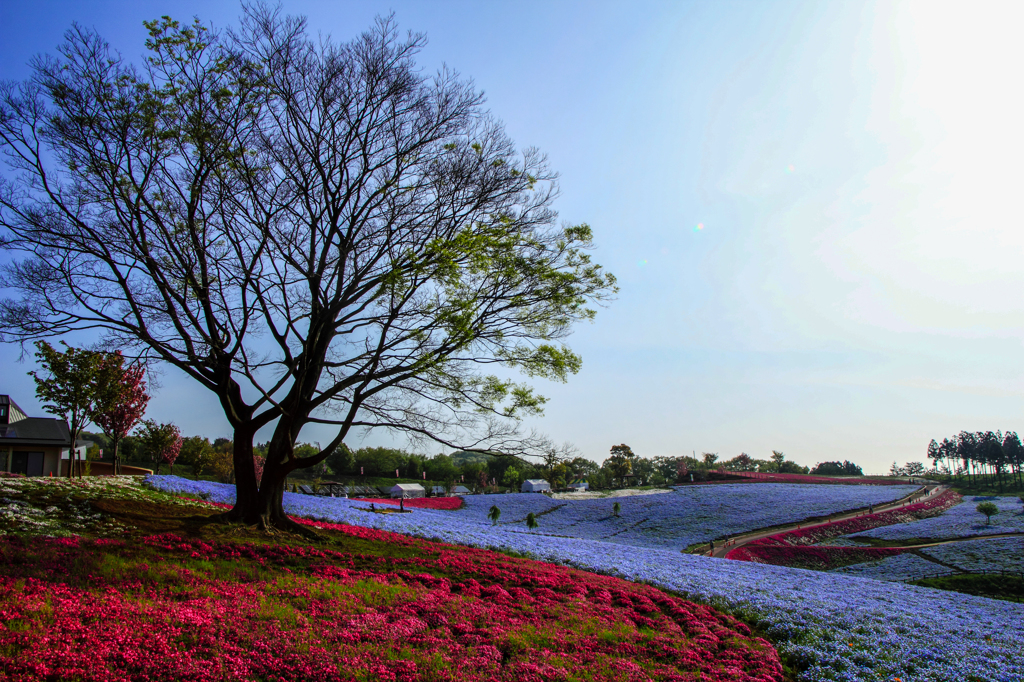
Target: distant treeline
[969, 454]
[481, 470]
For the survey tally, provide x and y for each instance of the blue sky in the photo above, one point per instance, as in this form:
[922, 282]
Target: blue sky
[809, 207]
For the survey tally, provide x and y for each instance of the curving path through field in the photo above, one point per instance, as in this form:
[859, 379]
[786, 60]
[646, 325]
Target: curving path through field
[739, 540]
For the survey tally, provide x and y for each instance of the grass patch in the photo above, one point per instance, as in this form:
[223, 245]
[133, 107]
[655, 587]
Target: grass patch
[1005, 587]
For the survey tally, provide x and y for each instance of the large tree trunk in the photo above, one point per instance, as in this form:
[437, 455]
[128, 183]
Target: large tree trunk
[271, 491]
[247, 507]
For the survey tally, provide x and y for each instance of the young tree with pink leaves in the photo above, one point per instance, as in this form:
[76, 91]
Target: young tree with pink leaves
[122, 402]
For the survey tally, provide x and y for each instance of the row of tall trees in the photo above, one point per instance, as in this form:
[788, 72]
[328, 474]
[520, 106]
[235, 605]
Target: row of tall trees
[973, 453]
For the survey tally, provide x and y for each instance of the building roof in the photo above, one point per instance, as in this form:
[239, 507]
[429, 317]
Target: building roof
[408, 486]
[16, 413]
[36, 431]
[535, 481]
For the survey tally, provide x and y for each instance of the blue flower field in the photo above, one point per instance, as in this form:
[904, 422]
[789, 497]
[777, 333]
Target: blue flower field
[836, 627]
[980, 556]
[963, 520]
[686, 516]
[899, 568]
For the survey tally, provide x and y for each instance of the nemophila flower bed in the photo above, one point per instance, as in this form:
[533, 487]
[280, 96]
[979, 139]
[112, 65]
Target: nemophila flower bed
[899, 568]
[382, 608]
[814, 558]
[673, 520]
[962, 520]
[820, 533]
[834, 627]
[982, 556]
[686, 516]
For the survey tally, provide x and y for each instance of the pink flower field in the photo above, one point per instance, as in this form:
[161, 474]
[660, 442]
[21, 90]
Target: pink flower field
[216, 604]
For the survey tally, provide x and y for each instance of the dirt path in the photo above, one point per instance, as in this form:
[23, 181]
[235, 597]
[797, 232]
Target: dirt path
[739, 540]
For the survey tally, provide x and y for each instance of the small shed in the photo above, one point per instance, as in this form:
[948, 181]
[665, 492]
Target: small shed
[535, 485]
[578, 485]
[461, 490]
[408, 490]
[438, 490]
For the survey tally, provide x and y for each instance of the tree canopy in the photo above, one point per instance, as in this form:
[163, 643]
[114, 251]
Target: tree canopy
[315, 232]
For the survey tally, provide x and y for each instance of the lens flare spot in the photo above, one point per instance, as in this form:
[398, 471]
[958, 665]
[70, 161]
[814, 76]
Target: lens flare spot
[790, 168]
[699, 227]
[641, 263]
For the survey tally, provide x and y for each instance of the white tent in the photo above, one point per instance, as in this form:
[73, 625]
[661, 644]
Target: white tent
[408, 490]
[535, 485]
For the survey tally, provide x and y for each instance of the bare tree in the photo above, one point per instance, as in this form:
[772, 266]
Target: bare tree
[316, 233]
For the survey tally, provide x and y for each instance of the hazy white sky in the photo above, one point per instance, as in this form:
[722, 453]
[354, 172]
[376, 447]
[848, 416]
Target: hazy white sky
[812, 209]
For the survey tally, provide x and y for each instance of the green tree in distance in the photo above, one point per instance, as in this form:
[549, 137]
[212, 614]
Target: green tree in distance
[616, 508]
[989, 509]
[162, 441]
[778, 458]
[494, 514]
[531, 521]
[619, 463]
[511, 478]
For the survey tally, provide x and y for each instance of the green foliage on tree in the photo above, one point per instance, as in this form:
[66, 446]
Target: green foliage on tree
[989, 509]
[69, 386]
[511, 478]
[494, 514]
[844, 468]
[531, 521]
[619, 464]
[778, 458]
[162, 442]
[198, 453]
[616, 508]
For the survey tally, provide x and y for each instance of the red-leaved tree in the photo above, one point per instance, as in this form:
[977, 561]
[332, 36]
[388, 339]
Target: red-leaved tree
[123, 401]
[170, 452]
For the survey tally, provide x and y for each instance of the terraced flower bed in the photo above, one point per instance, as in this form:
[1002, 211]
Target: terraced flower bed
[814, 558]
[962, 520]
[369, 605]
[684, 517]
[903, 567]
[982, 556]
[820, 533]
[832, 627]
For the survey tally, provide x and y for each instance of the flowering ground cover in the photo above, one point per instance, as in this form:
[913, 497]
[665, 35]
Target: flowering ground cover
[821, 558]
[365, 605]
[981, 556]
[833, 627]
[962, 520]
[899, 568]
[64, 507]
[820, 533]
[689, 515]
